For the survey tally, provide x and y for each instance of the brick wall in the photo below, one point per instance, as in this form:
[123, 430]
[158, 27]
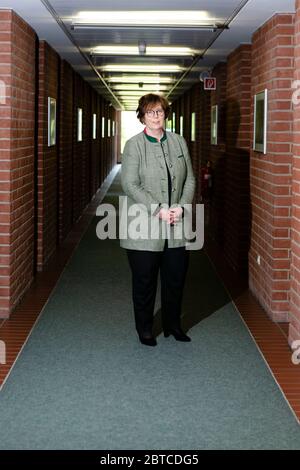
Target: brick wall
[47, 183]
[65, 136]
[174, 109]
[85, 155]
[105, 148]
[204, 144]
[294, 328]
[95, 146]
[186, 105]
[218, 157]
[114, 140]
[110, 140]
[101, 104]
[272, 68]
[194, 107]
[237, 178]
[17, 113]
[118, 136]
[78, 147]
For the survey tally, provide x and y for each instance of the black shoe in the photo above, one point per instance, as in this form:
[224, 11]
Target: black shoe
[148, 340]
[178, 334]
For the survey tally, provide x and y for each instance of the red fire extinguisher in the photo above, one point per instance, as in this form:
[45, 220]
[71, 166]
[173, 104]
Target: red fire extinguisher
[206, 181]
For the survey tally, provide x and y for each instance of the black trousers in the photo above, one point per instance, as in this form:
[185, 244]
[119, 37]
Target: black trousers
[145, 266]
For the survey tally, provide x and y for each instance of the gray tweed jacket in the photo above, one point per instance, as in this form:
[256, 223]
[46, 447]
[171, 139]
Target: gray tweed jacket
[144, 180]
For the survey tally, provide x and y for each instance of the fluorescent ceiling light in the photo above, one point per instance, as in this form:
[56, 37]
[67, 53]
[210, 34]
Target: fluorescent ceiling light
[135, 86]
[196, 18]
[150, 51]
[136, 93]
[140, 91]
[141, 68]
[139, 79]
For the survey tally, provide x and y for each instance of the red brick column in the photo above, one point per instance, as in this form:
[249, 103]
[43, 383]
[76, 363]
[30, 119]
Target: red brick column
[105, 158]
[86, 147]
[204, 122]
[194, 146]
[218, 156]
[294, 330]
[198, 102]
[118, 136]
[78, 147]
[237, 189]
[270, 174]
[17, 114]
[94, 145]
[47, 156]
[66, 120]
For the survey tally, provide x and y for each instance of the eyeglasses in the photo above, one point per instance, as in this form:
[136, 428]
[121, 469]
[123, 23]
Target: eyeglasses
[152, 113]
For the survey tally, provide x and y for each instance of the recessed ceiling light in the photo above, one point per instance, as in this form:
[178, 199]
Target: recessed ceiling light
[129, 100]
[141, 68]
[139, 79]
[132, 86]
[145, 18]
[136, 93]
[151, 51]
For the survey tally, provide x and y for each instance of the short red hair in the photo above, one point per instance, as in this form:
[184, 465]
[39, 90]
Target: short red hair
[149, 100]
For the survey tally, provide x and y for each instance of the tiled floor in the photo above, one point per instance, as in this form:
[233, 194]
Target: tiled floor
[270, 338]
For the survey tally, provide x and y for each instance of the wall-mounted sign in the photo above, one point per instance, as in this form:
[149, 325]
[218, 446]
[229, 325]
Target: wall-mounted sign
[210, 83]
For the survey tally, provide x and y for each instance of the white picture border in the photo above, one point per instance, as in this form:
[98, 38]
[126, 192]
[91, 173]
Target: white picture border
[51, 121]
[257, 146]
[214, 125]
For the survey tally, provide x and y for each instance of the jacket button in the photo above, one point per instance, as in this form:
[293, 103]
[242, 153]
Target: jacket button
[173, 189]
[170, 165]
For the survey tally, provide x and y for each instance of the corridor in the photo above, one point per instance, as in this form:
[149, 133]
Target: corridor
[73, 374]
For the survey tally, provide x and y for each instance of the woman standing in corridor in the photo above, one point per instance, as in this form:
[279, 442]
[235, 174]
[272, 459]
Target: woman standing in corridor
[157, 175]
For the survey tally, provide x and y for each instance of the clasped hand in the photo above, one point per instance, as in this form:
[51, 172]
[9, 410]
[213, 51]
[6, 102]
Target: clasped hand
[170, 216]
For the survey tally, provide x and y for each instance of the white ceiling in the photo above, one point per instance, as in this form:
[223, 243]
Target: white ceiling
[65, 41]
